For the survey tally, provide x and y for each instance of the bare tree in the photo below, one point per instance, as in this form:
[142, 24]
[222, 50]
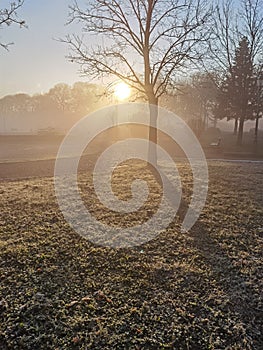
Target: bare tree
[252, 15]
[148, 41]
[257, 101]
[9, 16]
[222, 49]
[225, 38]
[233, 22]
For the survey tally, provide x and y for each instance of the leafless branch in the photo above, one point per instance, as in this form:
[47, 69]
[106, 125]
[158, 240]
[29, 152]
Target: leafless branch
[9, 16]
[252, 14]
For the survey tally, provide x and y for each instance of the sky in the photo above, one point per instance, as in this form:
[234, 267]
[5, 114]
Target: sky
[37, 61]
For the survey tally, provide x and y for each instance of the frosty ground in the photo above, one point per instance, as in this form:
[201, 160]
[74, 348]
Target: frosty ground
[197, 290]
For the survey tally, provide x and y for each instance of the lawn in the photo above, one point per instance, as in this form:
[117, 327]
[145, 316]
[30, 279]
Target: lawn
[196, 290]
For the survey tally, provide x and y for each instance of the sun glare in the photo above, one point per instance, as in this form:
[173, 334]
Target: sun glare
[122, 91]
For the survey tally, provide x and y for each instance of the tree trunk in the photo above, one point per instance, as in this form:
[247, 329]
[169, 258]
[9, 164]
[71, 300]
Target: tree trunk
[240, 131]
[236, 126]
[152, 149]
[204, 116]
[256, 130]
[215, 122]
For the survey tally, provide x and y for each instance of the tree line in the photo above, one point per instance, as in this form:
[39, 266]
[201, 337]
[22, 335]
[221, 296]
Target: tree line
[61, 106]
[152, 44]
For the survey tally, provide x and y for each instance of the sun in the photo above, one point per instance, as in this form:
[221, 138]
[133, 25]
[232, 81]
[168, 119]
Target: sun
[122, 91]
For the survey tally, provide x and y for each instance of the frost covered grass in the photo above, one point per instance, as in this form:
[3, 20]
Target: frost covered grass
[197, 290]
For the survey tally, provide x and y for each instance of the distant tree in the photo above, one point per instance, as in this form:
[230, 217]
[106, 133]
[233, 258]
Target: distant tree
[252, 13]
[257, 102]
[194, 100]
[206, 91]
[62, 99]
[15, 104]
[234, 20]
[9, 16]
[148, 41]
[252, 25]
[239, 88]
[43, 104]
[86, 97]
[225, 107]
[6, 106]
[225, 36]
[222, 49]
[12, 106]
[61, 94]
[192, 107]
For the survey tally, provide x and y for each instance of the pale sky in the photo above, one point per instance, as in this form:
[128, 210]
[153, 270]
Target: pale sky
[36, 62]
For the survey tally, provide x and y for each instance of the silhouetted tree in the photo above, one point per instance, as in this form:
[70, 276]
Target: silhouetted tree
[239, 88]
[225, 107]
[232, 21]
[148, 41]
[252, 12]
[252, 25]
[257, 102]
[9, 16]
[225, 37]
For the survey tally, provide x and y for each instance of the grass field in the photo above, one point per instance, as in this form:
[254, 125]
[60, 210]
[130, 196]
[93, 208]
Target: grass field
[197, 290]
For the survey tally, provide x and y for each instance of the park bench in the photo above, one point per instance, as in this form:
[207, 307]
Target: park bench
[216, 144]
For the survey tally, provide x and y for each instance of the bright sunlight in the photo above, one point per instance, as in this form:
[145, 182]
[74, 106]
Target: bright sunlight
[122, 91]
